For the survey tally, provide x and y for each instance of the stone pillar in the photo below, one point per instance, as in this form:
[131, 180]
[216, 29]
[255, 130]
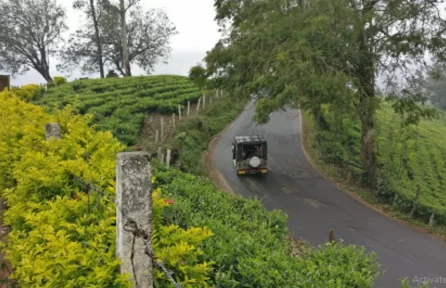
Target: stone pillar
[52, 130]
[134, 205]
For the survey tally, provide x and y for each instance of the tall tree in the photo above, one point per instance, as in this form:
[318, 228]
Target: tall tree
[125, 48]
[89, 8]
[148, 36]
[30, 32]
[325, 51]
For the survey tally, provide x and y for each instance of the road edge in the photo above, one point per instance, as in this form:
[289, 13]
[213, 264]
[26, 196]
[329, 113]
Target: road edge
[355, 195]
[207, 160]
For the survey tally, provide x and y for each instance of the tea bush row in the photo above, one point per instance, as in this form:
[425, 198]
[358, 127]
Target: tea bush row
[407, 157]
[120, 104]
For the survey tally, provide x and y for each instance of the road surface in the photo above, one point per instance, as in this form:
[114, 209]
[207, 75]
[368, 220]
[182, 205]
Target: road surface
[315, 205]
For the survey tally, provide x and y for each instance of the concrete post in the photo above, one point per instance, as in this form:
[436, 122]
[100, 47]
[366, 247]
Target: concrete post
[432, 219]
[188, 108]
[134, 203]
[168, 157]
[162, 129]
[159, 153]
[179, 113]
[198, 105]
[52, 130]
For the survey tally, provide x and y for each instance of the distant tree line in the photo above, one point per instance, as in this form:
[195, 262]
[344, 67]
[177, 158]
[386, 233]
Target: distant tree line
[113, 34]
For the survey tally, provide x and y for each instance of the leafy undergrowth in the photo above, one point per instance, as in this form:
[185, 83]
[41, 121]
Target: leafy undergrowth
[194, 134]
[120, 104]
[408, 157]
[250, 246]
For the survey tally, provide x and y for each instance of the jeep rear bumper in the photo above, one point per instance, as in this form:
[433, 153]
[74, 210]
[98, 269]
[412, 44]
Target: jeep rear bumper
[252, 171]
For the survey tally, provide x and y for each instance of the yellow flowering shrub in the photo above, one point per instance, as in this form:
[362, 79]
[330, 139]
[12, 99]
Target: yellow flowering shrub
[29, 92]
[61, 236]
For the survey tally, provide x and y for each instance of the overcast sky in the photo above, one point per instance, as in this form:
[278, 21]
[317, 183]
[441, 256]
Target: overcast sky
[194, 20]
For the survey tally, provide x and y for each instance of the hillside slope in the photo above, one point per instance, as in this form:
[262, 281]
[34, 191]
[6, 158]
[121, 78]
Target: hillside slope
[408, 157]
[120, 104]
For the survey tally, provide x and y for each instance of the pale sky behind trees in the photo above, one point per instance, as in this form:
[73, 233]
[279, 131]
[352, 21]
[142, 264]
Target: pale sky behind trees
[194, 20]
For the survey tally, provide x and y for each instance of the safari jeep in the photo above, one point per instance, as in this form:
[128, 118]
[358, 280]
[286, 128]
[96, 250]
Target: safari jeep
[249, 154]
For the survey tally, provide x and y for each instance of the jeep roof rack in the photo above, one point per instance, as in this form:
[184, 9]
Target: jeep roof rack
[255, 139]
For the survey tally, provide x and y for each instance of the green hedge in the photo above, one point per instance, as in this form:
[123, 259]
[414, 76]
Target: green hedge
[120, 104]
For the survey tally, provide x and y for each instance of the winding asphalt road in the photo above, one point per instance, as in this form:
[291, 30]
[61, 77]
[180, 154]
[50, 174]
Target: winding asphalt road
[315, 205]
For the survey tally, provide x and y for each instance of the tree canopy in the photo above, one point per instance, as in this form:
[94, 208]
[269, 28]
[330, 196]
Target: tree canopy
[325, 51]
[148, 38]
[30, 32]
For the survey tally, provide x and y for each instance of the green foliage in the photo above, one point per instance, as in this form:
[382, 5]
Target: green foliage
[120, 104]
[249, 245]
[111, 74]
[197, 74]
[320, 52]
[407, 156]
[29, 92]
[63, 235]
[198, 131]
[59, 80]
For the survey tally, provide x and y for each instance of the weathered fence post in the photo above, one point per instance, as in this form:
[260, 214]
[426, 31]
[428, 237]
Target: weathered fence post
[134, 216]
[162, 129]
[198, 105]
[52, 130]
[204, 101]
[157, 136]
[158, 153]
[432, 219]
[179, 113]
[188, 108]
[168, 157]
[173, 120]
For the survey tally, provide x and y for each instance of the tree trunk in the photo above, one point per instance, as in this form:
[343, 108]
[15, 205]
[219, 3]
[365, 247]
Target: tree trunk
[98, 39]
[125, 49]
[367, 112]
[46, 75]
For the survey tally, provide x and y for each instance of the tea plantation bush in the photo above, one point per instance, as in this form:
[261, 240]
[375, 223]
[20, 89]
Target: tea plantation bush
[120, 104]
[61, 235]
[250, 247]
[407, 157]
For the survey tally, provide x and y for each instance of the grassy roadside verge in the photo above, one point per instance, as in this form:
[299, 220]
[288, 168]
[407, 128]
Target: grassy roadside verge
[343, 180]
[192, 136]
